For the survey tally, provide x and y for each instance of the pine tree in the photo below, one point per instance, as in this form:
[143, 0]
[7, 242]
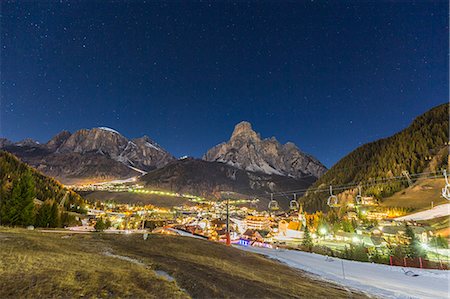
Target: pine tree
[414, 249]
[307, 240]
[43, 215]
[12, 171]
[107, 223]
[100, 225]
[19, 207]
[55, 219]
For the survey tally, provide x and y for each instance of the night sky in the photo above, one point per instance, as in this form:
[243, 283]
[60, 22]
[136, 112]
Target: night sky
[328, 76]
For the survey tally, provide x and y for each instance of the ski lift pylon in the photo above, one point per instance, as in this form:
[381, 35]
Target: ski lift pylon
[405, 173]
[446, 189]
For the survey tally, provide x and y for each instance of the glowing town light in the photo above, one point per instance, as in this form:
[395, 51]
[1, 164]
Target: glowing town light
[322, 231]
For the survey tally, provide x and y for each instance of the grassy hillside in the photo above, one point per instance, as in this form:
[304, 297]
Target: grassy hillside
[37, 264]
[11, 169]
[419, 196]
[410, 150]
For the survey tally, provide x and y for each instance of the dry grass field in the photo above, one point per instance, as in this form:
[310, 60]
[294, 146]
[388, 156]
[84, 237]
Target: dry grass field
[37, 264]
[419, 196]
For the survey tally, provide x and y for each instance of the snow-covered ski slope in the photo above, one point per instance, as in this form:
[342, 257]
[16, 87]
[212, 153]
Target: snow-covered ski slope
[374, 279]
[437, 211]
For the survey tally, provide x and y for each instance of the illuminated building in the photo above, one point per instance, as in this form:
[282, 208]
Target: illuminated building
[257, 222]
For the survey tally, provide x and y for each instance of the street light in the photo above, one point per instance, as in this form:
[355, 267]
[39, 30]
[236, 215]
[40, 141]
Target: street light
[425, 246]
[323, 231]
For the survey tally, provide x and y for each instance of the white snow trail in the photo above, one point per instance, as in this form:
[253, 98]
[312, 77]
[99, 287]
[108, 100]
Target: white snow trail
[374, 279]
[437, 211]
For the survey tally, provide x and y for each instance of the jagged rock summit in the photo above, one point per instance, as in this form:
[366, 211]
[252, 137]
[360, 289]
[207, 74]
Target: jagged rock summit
[244, 130]
[247, 150]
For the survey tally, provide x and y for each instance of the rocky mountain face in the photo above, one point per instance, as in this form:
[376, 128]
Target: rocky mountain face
[54, 143]
[98, 153]
[141, 153]
[145, 154]
[246, 150]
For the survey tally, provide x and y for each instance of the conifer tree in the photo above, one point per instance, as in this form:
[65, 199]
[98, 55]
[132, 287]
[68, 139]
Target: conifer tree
[100, 225]
[43, 215]
[55, 219]
[414, 249]
[19, 207]
[307, 240]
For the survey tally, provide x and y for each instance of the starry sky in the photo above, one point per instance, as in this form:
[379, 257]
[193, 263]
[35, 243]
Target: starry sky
[326, 75]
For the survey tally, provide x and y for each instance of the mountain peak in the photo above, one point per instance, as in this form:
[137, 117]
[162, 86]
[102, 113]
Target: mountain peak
[144, 138]
[5, 142]
[58, 139]
[246, 150]
[27, 142]
[244, 128]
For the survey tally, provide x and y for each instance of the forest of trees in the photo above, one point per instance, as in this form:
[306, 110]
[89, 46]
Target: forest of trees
[420, 147]
[27, 197]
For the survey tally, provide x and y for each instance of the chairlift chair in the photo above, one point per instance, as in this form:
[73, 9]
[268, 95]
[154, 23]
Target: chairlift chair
[332, 200]
[293, 204]
[273, 204]
[358, 198]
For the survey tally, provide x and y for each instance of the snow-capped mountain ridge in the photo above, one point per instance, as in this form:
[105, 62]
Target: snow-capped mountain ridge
[98, 153]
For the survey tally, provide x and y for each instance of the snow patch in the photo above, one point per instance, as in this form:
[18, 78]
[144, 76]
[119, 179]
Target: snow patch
[109, 130]
[137, 169]
[436, 212]
[124, 258]
[265, 168]
[165, 275]
[148, 144]
[124, 160]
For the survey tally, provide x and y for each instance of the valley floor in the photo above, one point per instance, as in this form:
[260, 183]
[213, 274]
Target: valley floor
[374, 279]
[37, 264]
